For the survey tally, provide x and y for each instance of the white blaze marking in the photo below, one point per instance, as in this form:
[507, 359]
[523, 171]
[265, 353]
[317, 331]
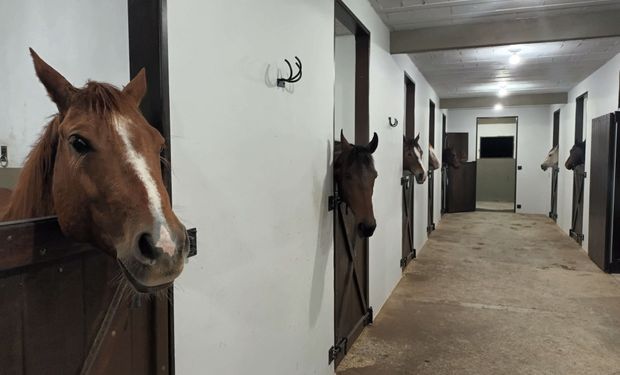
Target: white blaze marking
[161, 233]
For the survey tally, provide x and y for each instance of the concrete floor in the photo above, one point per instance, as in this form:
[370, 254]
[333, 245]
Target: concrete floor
[495, 293]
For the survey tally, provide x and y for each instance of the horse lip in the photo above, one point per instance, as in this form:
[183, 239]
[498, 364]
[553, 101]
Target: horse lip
[138, 286]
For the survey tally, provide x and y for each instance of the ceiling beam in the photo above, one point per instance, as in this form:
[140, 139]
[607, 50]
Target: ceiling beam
[532, 30]
[509, 101]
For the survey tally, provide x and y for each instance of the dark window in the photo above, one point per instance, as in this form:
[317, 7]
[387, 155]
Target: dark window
[497, 147]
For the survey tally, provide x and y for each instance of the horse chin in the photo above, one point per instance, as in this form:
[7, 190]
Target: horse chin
[141, 284]
[420, 178]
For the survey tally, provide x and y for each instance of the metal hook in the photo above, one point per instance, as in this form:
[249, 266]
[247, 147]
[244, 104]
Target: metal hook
[281, 82]
[393, 124]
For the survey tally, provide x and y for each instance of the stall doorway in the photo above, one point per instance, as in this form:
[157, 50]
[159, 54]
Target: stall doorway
[496, 159]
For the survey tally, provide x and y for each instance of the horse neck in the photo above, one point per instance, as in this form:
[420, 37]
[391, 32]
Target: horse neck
[32, 196]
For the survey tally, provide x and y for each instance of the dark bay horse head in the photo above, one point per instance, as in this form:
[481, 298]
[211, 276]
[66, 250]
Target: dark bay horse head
[97, 168]
[577, 155]
[450, 158]
[412, 158]
[551, 161]
[355, 174]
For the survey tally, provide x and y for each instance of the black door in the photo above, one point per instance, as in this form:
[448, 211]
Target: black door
[553, 212]
[352, 311]
[408, 181]
[444, 172]
[431, 176]
[579, 175]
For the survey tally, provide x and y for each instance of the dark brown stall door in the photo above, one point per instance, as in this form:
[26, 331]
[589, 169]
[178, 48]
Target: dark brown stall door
[555, 171]
[408, 181]
[579, 175]
[604, 212]
[444, 173]
[55, 295]
[431, 173]
[351, 308]
[461, 188]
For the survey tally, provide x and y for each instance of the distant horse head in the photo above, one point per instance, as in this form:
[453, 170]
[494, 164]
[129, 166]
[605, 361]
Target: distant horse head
[97, 168]
[412, 158]
[355, 174]
[551, 161]
[432, 158]
[577, 155]
[450, 158]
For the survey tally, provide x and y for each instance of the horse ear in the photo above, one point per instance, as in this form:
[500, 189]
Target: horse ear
[57, 86]
[345, 144]
[374, 142]
[417, 138]
[136, 88]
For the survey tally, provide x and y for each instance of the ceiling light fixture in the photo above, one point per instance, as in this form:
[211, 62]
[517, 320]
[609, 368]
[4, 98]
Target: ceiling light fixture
[515, 59]
[498, 107]
[502, 92]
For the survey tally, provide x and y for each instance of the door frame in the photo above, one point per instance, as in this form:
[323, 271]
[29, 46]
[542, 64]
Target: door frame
[407, 181]
[430, 216]
[516, 150]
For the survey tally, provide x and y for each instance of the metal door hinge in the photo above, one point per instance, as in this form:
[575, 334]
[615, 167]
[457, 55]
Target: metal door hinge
[369, 316]
[340, 347]
[333, 201]
[193, 242]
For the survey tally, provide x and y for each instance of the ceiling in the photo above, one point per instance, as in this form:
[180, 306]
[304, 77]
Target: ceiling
[544, 67]
[415, 14]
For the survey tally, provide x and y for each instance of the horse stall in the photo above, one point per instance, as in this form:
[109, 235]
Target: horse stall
[460, 183]
[604, 177]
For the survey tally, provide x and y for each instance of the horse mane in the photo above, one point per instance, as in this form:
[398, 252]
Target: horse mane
[32, 196]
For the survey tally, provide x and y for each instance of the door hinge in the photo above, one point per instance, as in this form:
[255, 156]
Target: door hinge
[414, 254]
[404, 181]
[340, 347]
[333, 201]
[403, 261]
[369, 316]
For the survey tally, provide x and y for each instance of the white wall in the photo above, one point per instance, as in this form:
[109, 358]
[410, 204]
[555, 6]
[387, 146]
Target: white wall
[81, 39]
[602, 89]
[252, 169]
[533, 144]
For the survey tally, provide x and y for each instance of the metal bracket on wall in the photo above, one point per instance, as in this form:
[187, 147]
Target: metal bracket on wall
[193, 242]
[370, 316]
[4, 157]
[405, 180]
[333, 201]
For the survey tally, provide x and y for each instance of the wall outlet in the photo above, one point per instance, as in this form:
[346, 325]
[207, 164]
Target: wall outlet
[518, 207]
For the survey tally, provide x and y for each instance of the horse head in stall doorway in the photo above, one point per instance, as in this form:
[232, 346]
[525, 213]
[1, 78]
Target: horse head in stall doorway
[450, 158]
[412, 158]
[97, 168]
[577, 155]
[551, 161]
[355, 175]
[432, 158]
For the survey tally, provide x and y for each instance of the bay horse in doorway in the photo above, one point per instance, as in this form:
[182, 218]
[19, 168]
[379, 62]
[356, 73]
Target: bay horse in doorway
[450, 158]
[577, 156]
[97, 168]
[355, 175]
[412, 158]
[551, 161]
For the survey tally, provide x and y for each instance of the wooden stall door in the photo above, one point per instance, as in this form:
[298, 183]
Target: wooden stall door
[461, 188]
[431, 175]
[579, 175]
[555, 171]
[352, 311]
[407, 181]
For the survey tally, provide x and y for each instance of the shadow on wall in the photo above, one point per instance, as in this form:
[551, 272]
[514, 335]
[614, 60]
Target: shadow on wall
[324, 239]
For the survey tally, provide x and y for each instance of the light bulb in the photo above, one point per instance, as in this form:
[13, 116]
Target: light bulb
[514, 59]
[502, 92]
[498, 107]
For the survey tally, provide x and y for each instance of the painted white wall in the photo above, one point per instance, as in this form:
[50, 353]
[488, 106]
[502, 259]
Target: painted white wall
[82, 39]
[252, 170]
[533, 144]
[344, 87]
[602, 89]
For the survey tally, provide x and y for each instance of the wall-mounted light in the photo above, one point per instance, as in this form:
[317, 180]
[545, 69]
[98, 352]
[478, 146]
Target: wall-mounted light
[498, 107]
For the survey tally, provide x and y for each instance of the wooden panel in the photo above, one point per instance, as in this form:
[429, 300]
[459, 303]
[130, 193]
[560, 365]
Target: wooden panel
[601, 188]
[408, 246]
[459, 143]
[461, 188]
[11, 325]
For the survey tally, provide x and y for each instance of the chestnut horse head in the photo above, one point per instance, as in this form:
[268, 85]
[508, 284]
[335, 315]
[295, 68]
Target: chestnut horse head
[577, 155]
[432, 158]
[551, 161]
[97, 168]
[450, 158]
[412, 158]
[355, 174]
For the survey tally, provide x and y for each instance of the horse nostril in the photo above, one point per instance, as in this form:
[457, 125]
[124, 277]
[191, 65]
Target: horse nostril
[147, 248]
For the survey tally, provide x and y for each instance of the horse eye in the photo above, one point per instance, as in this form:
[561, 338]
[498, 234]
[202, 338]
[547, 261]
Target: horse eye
[79, 144]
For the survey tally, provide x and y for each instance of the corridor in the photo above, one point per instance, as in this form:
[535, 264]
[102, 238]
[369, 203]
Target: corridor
[495, 293]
